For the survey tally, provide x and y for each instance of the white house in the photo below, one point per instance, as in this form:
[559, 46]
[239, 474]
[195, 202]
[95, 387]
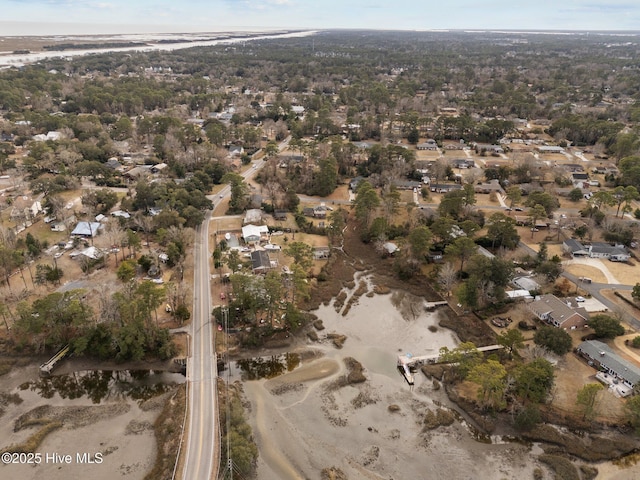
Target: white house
[254, 233]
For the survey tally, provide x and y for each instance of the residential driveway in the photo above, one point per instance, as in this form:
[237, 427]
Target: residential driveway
[632, 353]
[595, 263]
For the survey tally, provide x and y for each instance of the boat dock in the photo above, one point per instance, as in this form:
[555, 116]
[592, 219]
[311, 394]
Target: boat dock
[46, 368]
[434, 305]
[407, 363]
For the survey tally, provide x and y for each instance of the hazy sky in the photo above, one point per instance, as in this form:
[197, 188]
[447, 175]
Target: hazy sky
[133, 16]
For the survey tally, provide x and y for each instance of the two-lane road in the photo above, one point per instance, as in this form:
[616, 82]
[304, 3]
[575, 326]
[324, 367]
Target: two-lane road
[201, 460]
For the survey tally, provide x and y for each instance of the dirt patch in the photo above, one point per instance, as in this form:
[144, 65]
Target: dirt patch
[71, 417]
[469, 328]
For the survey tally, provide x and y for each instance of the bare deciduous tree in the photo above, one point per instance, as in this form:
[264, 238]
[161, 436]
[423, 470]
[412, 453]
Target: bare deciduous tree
[447, 277]
[177, 294]
[114, 235]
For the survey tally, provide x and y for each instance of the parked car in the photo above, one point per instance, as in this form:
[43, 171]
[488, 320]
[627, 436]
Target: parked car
[580, 299]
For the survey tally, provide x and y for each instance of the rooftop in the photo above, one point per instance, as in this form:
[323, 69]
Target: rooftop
[607, 357]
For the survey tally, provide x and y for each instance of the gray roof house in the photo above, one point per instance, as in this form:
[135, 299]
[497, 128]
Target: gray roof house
[320, 253]
[526, 283]
[429, 144]
[614, 253]
[550, 149]
[87, 229]
[462, 163]
[606, 360]
[353, 184]
[556, 312]
[253, 215]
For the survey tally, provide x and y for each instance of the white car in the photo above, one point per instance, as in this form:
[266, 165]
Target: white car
[271, 246]
[579, 299]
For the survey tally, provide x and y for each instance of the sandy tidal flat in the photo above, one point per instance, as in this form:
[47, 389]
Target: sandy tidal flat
[311, 419]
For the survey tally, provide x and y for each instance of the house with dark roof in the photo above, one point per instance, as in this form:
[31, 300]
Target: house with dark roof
[580, 180]
[320, 211]
[405, 184]
[574, 248]
[444, 187]
[480, 147]
[558, 313]
[606, 360]
[429, 144]
[236, 150]
[113, 163]
[260, 261]
[614, 253]
[462, 163]
[280, 215]
[353, 184]
[489, 187]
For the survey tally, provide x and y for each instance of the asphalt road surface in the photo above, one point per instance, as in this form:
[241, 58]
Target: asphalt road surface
[201, 460]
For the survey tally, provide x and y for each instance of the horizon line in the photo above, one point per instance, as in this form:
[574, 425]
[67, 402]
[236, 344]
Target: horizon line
[124, 29]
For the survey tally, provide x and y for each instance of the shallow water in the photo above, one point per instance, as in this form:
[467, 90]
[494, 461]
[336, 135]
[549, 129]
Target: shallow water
[381, 327]
[103, 385]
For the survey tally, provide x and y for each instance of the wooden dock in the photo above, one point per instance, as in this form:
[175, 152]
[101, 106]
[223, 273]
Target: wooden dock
[408, 362]
[47, 367]
[434, 305]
